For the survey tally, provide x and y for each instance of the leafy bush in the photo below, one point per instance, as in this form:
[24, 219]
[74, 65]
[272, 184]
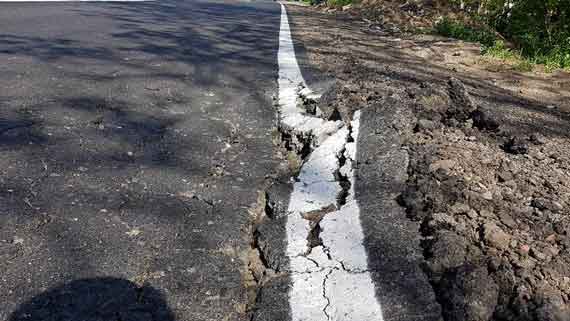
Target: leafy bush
[458, 30]
[540, 29]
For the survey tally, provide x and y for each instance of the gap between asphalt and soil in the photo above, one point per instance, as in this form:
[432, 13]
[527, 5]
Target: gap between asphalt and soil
[325, 273]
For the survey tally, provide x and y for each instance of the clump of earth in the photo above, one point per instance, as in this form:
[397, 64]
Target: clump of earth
[493, 207]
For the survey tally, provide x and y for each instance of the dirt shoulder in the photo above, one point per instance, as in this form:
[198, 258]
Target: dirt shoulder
[488, 174]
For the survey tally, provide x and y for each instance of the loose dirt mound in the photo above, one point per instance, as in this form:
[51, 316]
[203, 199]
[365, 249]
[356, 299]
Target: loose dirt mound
[494, 210]
[400, 15]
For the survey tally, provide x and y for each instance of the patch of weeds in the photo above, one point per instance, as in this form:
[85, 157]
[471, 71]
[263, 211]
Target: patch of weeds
[459, 30]
[338, 3]
[524, 66]
[433, 102]
[553, 58]
[557, 58]
[294, 161]
[499, 50]
[421, 30]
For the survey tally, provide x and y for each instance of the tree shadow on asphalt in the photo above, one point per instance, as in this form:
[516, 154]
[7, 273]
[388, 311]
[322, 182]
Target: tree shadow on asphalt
[98, 299]
[101, 174]
[163, 32]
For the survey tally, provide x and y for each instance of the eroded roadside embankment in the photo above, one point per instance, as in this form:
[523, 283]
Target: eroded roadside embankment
[487, 179]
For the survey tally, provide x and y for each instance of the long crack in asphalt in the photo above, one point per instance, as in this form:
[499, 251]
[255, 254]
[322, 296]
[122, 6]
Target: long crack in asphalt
[327, 163]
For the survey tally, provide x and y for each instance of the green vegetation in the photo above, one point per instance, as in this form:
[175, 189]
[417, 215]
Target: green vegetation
[331, 3]
[338, 3]
[539, 29]
[459, 30]
[500, 50]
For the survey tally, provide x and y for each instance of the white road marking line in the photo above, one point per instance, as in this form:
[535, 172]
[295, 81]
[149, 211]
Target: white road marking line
[331, 281]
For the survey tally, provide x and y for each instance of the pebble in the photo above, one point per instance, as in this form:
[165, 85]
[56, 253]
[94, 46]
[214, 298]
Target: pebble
[537, 254]
[494, 236]
[460, 208]
[487, 195]
[538, 139]
[442, 220]
[516, 145]
[524, 249]
[539, 156]
[426, 124]
[507, 220]
[486, 214]
[551, 238]
[445, 164]
[556, 207]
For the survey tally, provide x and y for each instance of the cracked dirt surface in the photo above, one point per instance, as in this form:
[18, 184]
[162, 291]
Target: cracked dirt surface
[487, 175]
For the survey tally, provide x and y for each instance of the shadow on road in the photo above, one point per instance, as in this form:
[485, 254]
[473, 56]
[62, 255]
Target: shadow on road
[96, 299]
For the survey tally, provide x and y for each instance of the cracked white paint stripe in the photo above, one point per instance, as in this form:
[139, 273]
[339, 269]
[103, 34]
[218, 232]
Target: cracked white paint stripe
[290, 83]
[330, 282]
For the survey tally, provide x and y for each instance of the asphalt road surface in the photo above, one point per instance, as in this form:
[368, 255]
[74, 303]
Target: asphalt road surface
[135, 138]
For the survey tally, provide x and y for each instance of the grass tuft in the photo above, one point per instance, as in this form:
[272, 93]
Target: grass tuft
[338, 3]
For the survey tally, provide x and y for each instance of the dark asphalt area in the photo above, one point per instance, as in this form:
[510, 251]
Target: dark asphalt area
[133, 140]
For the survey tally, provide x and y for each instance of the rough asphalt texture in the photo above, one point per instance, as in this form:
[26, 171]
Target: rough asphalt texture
[133, 139]
[391, 239]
